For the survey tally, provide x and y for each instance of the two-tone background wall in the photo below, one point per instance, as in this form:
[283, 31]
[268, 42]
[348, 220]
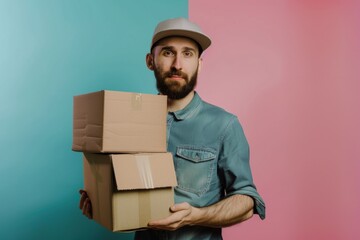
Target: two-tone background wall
[49, 52]
[289, 69]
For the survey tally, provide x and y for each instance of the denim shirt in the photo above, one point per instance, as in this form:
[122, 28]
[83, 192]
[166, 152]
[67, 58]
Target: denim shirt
[211, 158]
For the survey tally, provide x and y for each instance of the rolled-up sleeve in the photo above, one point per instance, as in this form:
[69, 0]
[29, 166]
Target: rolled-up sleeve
[234, 165]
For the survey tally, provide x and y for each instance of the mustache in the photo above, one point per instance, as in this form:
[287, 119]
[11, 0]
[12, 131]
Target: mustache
[177, 73]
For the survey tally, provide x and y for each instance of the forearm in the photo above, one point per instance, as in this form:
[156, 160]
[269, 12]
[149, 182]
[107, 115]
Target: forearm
[229, 211]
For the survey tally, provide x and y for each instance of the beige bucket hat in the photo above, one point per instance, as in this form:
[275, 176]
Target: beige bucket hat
[180, 27]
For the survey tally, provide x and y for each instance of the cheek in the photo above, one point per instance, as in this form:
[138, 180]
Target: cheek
[162, 65]
[159, 69]
[193, 68]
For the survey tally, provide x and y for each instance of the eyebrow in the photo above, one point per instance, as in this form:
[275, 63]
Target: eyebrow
[171, 48]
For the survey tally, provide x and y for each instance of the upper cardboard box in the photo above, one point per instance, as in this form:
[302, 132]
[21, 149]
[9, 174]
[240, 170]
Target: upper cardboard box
[119, 122]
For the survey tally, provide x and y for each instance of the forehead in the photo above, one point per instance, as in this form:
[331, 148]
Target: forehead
[177, 42]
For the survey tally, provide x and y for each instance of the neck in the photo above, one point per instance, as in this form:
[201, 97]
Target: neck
[178, 104]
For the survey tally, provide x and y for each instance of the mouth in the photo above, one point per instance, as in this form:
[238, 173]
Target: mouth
[176, 77]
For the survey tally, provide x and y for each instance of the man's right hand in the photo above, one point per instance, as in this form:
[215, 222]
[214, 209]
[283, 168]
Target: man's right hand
[85, 204]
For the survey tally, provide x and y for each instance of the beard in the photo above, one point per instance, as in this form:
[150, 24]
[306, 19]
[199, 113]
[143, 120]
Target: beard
[174, 89]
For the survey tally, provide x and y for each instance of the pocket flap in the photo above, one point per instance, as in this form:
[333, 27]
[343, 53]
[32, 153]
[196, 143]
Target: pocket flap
[196, 154]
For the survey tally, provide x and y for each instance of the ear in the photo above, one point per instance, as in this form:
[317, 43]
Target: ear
[150, 61]
[200, 65]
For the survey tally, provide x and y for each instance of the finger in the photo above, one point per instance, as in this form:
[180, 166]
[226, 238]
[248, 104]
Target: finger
[179, 207]
[84, 196]
[161, 222]
[84, 207]
[172, 227]
[172, 219]
[164, 225]
[89, 209]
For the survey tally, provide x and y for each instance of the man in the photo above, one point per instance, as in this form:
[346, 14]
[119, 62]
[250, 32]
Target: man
[211, 154]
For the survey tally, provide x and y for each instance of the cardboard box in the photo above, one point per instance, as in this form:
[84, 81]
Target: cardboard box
[128, 190]
[119, 122]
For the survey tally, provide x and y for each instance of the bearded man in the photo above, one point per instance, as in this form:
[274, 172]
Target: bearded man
[210, 151]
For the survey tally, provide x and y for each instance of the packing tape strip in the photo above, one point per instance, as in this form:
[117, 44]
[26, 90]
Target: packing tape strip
[144, 169]
[136, 101]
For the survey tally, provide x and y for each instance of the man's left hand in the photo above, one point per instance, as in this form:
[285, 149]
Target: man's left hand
[181, 214]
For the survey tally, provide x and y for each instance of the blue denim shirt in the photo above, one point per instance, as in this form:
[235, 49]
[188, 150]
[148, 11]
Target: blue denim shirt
[211, 157]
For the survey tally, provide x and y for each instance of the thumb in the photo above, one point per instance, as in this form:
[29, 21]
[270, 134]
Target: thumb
[179, 207]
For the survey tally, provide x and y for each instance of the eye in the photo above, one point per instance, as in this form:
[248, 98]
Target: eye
[168, 53]
[188, 54]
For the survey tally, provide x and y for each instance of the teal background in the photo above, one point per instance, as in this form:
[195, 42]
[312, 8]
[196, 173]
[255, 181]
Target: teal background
[51, 50]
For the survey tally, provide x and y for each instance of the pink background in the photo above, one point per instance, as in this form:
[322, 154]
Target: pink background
[290, 71]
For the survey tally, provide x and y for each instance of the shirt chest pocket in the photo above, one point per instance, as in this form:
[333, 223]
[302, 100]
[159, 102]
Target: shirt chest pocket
[194, 168]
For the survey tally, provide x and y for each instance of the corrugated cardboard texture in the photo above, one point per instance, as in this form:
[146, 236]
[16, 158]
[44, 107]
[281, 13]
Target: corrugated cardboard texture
[119, 122]
[124, 210]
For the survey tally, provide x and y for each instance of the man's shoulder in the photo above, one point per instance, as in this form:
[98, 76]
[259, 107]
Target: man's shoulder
[217, 111]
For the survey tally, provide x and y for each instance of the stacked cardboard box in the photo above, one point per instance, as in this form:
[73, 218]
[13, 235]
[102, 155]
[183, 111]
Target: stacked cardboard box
[128, 174]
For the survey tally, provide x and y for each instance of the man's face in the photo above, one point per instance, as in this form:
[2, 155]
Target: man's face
[175, 65]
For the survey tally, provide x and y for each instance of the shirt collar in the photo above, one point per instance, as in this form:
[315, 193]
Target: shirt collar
[190, 109]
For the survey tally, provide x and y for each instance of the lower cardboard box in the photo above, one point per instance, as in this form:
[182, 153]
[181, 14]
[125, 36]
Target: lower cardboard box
[128, 190]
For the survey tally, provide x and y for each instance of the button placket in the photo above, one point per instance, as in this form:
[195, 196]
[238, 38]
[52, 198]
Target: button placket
[170, 120]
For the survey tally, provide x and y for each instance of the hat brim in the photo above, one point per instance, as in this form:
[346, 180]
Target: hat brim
[203, 40]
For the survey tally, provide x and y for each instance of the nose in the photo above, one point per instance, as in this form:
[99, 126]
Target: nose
[177, 63]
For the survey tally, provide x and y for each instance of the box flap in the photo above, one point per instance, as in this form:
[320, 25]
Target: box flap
[143, 171]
